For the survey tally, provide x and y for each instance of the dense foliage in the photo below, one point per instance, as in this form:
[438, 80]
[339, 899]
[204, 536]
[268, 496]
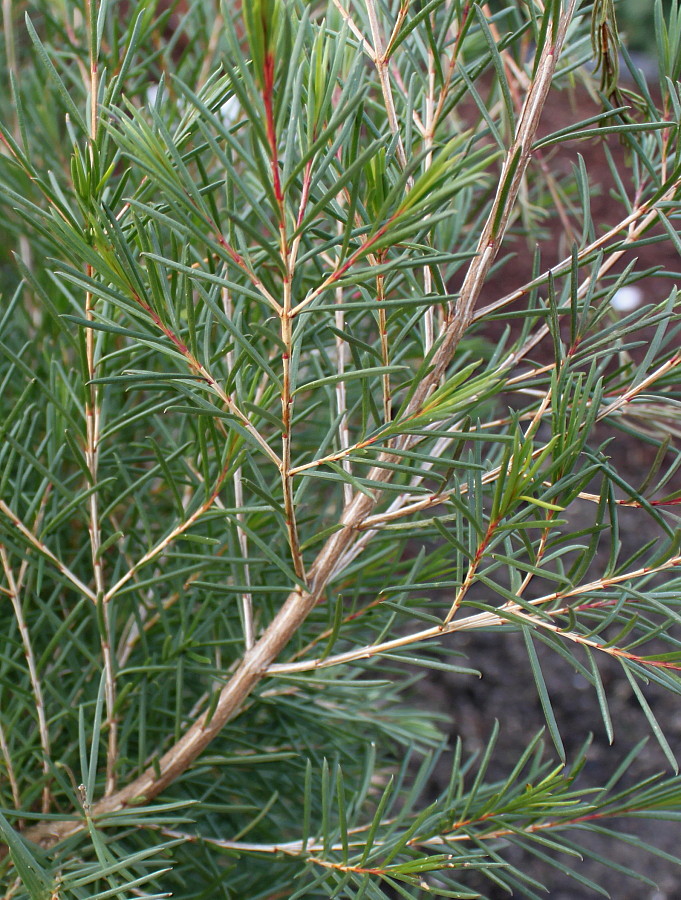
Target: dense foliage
[266, 452]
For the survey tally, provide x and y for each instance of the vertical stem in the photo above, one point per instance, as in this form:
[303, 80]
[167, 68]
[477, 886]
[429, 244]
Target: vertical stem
[288, 255]
[25, 251]
[93, 427]
[385, 353]
[341, 395]
[8, 28]
[11, 777]
[381, 62]
[382, 68]
[429, 318]
[465, 12]
[213, 41]
[246, 597]
[494, 523]
[33, 675]
[268, 98]
[286, 415]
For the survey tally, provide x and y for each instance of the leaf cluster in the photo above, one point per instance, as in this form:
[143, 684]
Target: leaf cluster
[274, 438]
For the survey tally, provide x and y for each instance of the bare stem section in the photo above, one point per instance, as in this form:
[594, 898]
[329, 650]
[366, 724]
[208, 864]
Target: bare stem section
[289, 254]
[385, 351]
[11, 774]
[9, 29]
[247, 597]
[286, 417]
[14, 588]
[381, 63]
[93, 414]
[31, 539]
[341, 393]
[485, 620]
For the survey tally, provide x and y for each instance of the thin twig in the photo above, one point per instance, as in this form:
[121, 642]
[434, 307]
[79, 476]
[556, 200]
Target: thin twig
[340, 388]
[381, 64]
[35, 681]
[11, 775]
[178, 530]
[350, 22]
[475, 622]
[494, 522]
[645, 215]
[8, 23]
[58, 564]
[93, 412]
[199, 369]
[246, 597]
[303, 849]
[288, 257]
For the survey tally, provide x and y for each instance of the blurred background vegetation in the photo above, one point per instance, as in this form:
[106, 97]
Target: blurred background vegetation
[636, 20]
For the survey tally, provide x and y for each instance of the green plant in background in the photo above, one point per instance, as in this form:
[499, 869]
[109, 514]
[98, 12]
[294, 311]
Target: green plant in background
[638, 23]
[257, 462]
[636, 18]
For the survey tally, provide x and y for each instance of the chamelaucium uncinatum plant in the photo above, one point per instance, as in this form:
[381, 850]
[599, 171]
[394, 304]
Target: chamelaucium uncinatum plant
[279, 433]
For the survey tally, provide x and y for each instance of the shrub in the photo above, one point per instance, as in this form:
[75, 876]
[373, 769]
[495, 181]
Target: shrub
[279, 428]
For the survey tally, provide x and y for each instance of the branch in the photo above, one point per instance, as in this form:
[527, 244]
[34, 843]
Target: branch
[14, 589]
[260, 658]
[172, 536]
[481, 620]
[58, 564]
